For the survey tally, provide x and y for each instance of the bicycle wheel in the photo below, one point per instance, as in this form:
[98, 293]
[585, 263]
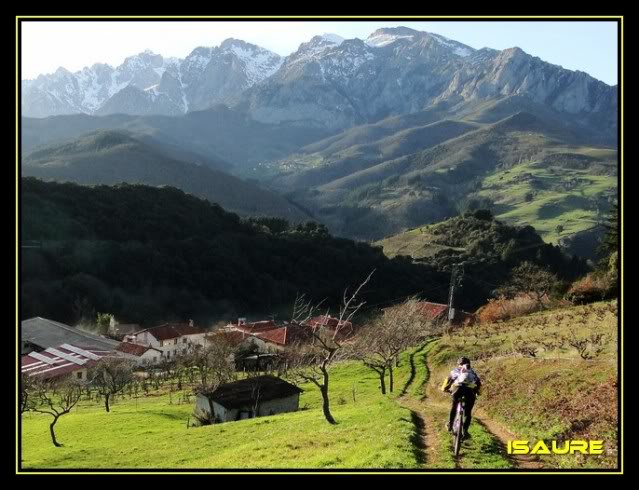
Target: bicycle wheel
[458, 433]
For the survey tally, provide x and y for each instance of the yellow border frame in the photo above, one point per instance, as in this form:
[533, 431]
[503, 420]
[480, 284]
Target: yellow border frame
[303, 17]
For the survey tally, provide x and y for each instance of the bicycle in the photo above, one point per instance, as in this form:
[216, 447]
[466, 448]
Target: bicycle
[458, 426]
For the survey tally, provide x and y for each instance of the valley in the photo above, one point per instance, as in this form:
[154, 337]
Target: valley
[369, 137]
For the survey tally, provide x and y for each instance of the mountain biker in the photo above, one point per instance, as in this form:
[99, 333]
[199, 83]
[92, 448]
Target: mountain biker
[462, 382]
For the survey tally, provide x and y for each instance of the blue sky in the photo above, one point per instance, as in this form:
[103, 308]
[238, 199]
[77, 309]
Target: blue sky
[584, 45]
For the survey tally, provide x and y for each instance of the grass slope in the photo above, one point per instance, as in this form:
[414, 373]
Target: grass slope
[555, 395]
[531, 169]
[551, 194]
[372, 432]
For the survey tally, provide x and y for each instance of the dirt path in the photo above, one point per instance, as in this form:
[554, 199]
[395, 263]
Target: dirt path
[426, 440]
[430, 447]
[500, 434]
[522, 461]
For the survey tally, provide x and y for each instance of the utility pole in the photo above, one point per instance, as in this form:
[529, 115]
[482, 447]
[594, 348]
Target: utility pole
[451, 293]
[454, 281]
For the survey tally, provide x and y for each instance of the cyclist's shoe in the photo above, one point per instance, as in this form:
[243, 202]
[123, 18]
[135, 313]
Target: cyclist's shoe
[467, 436]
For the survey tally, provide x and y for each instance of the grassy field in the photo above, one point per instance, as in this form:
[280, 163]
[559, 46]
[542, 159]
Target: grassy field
[372, 432]
[554, 395]
[559, 195]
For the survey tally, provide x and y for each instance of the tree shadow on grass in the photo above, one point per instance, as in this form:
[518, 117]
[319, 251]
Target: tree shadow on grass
[172, 416]
[413, 369]
[418, 438]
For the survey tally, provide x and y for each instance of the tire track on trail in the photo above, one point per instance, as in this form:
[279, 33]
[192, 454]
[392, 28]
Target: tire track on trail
[413, 370]
[426, 440]
[498, 433]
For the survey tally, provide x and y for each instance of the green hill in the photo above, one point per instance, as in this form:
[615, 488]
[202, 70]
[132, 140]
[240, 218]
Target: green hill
[215, 134]
[110, 157]
[559, 181]
[150, 432]
[335, 162]
[485, 249]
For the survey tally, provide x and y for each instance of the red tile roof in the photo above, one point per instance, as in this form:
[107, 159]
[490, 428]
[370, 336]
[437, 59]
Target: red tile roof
[233, 337]
[256, 326]
[276, 335]
[440, 311]
[133, 349]
[172, 330]
[432, 310]
[286, 335]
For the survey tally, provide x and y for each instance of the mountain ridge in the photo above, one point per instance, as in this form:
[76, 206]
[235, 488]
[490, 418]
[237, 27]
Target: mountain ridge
[352, 81]
[114, 156]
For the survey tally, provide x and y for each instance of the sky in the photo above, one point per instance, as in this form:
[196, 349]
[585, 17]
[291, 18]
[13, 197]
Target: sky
[589, 46]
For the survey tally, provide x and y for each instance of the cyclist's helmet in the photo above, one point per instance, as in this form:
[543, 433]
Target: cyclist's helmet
[463, 360]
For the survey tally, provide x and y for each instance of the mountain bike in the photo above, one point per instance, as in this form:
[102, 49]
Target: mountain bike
[458, 425]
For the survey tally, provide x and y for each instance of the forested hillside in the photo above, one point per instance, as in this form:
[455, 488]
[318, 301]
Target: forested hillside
[148, 254]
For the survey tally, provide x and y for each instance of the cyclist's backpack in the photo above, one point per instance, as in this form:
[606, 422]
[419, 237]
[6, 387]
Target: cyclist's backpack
[466, 377]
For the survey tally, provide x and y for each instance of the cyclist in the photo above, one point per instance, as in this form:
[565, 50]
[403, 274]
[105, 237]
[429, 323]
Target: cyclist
[462, 382]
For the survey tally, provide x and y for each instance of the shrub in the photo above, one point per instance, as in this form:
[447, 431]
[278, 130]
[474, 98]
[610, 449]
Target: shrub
[500, 309]
[592, 287]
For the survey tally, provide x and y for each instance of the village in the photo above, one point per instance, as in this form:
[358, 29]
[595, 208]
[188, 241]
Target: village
[233, 367]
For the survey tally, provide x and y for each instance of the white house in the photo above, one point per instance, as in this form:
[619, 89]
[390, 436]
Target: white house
[170, 338]
[141, 354]
[252, 397]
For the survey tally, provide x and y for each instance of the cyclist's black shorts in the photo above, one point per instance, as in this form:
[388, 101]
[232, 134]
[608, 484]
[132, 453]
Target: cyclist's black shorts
[464, 392]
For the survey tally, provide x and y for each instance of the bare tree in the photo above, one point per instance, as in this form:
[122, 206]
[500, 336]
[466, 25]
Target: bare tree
[110, 376]
[55, 398]
[215, 365]
[528, 278]
[379, 345]
[303, 309]
[214, 362]
[26, 389]
[311, 362]
[373, 354]
[255, 396]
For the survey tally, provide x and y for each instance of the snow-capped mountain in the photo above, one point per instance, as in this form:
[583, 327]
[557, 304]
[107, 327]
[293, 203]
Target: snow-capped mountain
[328, 82]
[147, 83]
[401, 70]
